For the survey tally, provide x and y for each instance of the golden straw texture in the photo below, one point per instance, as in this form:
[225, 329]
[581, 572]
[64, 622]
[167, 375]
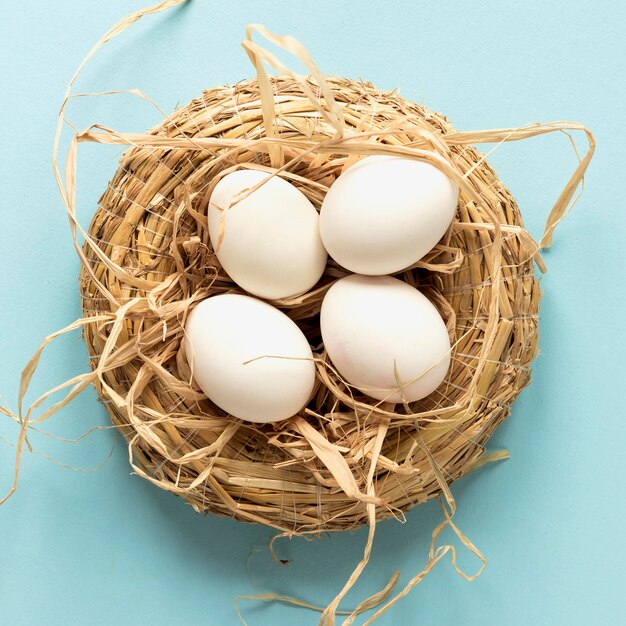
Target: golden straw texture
[148, 261]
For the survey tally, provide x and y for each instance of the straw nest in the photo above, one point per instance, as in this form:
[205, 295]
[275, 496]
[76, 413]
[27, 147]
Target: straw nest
[148, 261]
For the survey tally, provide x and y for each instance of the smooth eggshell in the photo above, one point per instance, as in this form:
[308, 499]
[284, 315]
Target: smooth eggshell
[224, 332]
[385, 213]
[370, 323]
[271, 245]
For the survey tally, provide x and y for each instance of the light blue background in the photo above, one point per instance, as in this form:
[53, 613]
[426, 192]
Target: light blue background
[108, 548]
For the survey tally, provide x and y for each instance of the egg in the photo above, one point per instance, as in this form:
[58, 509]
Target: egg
[385, 213]
[269, 242]
[249, 358]
[378, 330]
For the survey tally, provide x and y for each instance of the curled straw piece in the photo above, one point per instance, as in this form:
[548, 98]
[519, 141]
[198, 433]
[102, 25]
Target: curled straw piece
[146, 260]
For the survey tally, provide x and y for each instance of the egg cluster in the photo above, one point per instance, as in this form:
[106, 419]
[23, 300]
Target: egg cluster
[383, 336]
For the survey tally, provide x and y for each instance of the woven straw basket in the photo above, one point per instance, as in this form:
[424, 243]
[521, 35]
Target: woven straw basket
[152, 224]
[148, 260]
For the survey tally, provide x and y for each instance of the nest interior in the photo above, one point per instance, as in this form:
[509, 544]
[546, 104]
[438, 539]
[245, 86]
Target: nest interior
[148, 260]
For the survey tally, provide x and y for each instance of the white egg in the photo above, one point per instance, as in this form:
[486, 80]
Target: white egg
[385, 213]
[270, 244]
[236, 347]
[378, 330]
